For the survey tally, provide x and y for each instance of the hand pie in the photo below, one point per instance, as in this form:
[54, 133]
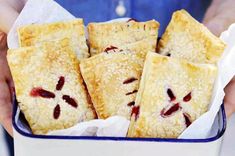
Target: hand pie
[74, 30]
[172, 94]
[112, 80]
[49, 86]
[130, 35]
[186, 38]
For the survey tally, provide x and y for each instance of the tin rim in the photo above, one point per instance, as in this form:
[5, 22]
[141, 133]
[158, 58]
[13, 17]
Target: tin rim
[172, 140]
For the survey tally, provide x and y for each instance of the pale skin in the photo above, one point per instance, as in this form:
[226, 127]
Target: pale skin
[218, 17]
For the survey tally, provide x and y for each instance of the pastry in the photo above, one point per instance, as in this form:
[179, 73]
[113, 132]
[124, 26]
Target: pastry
[112, 79]
[49, 86]
[173, 93]
[186, 38]
[130, 35]
[37, 33]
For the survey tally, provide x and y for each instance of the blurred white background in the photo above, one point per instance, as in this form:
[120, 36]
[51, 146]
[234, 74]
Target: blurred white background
[228, 147]
[3, 148]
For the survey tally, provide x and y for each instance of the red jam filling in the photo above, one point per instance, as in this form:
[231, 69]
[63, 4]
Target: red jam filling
[187, 119]
[135, 111]
[176, 107]
[187, 98]
[132, 19]
[171, 94]
[110, 48]
[70, 101]
[131, 103]
[60, 83]
[56, 113]
[39, 92]
[130, 80]
[171, 110]
[133, 92]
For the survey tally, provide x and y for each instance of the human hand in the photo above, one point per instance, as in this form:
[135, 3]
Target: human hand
[6, 87]
[9, 10]
[220, 15]
[229, 100]
[218, 18]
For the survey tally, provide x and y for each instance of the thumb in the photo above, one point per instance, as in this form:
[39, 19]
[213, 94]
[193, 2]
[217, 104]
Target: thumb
[216, 25]
[8, 16]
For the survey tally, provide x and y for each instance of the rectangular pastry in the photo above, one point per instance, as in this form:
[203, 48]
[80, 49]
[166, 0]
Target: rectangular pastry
[123, 35]
[112, 80]
[173, 93]
[74, 30]
[49, 86]
[187, 38]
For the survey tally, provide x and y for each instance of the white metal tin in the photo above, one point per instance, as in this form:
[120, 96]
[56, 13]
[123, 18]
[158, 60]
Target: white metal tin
[27, 144]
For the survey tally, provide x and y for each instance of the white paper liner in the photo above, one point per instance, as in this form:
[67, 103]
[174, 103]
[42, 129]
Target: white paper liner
[37, 11]
[45, 11]
[115, 126]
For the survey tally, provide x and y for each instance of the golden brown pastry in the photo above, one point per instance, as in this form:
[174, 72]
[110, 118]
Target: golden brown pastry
[49, 86]
[112, 80]
[186, 38]
[37, 33]
[173, 93]
[130, 35]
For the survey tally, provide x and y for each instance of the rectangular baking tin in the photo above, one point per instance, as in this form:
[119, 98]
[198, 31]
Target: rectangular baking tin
[26, 144]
